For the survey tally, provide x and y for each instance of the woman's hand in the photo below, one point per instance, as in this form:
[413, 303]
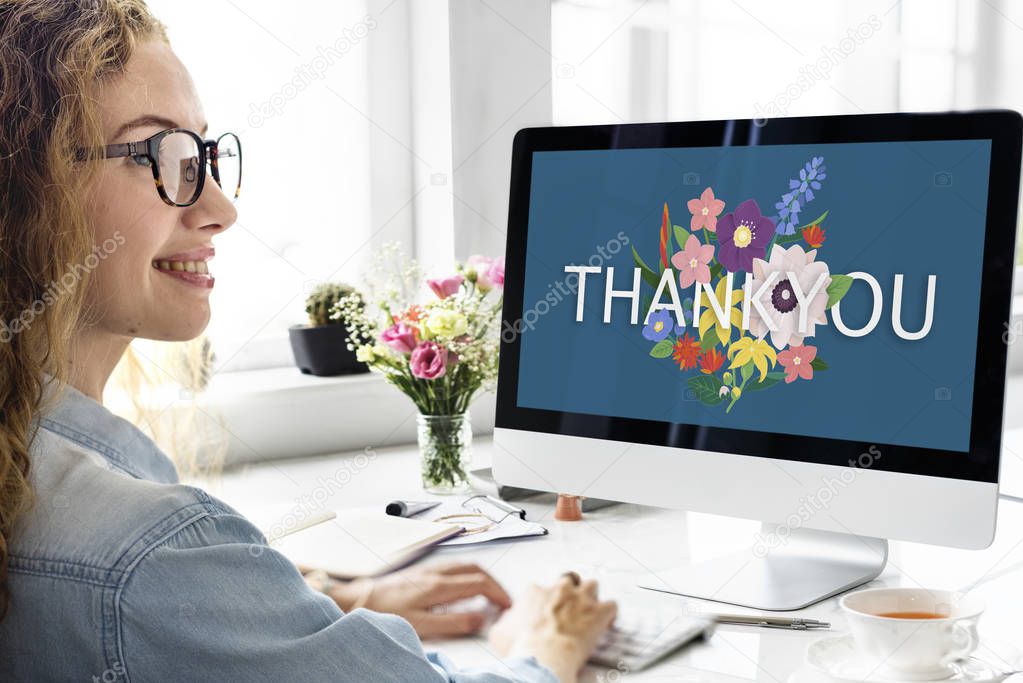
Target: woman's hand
[414, 593]
[559, 625]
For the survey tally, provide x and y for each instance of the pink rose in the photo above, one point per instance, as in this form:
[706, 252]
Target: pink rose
[400, 337]
[489, 271]
[496, 272]
[429, 360]
[445, 287]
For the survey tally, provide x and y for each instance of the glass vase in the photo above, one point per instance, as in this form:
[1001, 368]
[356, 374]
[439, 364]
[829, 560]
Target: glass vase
[445, 451]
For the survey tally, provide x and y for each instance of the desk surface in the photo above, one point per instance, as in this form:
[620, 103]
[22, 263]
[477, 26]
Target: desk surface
[616, 545]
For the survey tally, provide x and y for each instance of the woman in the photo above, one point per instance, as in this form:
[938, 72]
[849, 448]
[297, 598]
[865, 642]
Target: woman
[110, 570]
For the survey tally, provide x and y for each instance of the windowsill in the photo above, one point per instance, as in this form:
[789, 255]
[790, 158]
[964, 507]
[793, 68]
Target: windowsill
[281, 413]
[231, 385]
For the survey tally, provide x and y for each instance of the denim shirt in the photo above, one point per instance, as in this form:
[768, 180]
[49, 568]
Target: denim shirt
[119, 573]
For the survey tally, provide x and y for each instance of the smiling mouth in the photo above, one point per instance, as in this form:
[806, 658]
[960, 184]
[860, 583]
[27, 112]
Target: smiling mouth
[182, 266]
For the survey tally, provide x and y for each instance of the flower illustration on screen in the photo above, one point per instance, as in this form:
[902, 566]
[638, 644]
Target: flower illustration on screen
[743, 235]
[659, 326]
[751, 290]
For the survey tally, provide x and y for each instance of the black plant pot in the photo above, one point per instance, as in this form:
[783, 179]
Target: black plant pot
[323, 351]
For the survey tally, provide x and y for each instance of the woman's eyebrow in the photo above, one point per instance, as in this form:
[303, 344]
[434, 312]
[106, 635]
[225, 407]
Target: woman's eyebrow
[151, 120]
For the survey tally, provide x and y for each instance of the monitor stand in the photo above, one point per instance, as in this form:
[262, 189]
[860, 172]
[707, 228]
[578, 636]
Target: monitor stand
[779, 572]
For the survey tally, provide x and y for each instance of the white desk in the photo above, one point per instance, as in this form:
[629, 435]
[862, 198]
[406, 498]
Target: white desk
[618, 544]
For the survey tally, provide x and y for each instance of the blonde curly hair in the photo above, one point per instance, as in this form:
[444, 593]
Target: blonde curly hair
[53, 55]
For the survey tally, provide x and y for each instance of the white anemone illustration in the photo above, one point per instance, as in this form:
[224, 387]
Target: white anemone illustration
[780, 300]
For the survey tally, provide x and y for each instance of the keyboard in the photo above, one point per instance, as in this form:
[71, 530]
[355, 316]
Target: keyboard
[639, 638]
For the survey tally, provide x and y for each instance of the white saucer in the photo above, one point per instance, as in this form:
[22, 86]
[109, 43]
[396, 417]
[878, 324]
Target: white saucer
[838, 658]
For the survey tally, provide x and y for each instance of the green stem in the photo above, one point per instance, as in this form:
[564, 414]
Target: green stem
[443, 449]
[734, 400]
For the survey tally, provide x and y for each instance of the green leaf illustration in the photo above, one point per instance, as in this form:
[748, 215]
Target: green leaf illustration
[796, 235]
[812, 223]
[709, 340]
[647, 273]
[681, 235]
[662, 349]
[772, 378]
[818, 364]
[747, 371]
[838, 288]
[706, 388]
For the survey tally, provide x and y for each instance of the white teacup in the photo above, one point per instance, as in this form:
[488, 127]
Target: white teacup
[921, 649]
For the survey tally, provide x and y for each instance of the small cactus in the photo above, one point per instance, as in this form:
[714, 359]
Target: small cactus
[321, 301]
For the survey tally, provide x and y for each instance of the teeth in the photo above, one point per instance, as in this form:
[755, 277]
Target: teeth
[182, 266]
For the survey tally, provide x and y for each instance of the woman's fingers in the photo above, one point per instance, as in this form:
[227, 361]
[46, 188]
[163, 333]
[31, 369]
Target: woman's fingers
[447, 588]
[447, 624]
[608, 611]
[458, 568]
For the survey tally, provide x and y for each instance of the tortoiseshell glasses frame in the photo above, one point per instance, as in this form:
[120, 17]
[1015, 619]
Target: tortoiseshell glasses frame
[186, 176]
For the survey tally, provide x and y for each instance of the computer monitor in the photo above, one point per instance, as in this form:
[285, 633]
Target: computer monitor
[797, 320]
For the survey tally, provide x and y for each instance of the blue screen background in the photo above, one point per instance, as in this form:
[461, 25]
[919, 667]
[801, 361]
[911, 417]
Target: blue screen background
[916, 208]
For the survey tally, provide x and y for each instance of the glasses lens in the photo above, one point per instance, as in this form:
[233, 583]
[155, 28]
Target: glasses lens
[179, 167]
[229, 165]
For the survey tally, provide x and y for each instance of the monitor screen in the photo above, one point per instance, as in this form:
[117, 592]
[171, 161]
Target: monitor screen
[814, 290]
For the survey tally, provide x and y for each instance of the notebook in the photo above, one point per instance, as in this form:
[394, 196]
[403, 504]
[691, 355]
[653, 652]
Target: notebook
[356, 542]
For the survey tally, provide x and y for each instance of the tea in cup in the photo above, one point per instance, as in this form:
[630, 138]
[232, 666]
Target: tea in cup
[914, 633]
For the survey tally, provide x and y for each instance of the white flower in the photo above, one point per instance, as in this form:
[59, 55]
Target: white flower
[780, 300]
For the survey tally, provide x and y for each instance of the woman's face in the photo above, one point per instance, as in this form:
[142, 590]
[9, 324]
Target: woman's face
[136, 290]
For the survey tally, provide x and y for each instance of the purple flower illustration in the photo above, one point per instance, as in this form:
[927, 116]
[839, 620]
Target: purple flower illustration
[659, 326]
[743, 236]
[801, 193]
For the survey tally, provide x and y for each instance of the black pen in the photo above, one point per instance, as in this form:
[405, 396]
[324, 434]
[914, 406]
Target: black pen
[408, 508]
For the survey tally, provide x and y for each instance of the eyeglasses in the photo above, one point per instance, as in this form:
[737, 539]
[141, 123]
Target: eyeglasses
[178, 158]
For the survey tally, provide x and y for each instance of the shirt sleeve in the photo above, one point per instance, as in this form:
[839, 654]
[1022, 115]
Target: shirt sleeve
[213, 602]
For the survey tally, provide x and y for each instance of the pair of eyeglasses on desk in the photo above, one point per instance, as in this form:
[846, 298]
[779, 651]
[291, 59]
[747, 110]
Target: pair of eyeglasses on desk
[482, 513]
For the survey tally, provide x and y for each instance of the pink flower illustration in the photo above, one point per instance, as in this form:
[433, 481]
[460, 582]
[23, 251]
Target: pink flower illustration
[429, 360]
[705, 211]
[400, 337]
[797, 362]
[446, 286]
[692, 262]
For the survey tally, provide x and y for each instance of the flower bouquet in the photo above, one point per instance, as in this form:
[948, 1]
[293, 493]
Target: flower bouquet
[438, 347]
[760, 289]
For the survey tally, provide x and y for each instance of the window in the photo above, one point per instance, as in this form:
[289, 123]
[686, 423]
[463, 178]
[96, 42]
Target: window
[627, 60]
[297, 90]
